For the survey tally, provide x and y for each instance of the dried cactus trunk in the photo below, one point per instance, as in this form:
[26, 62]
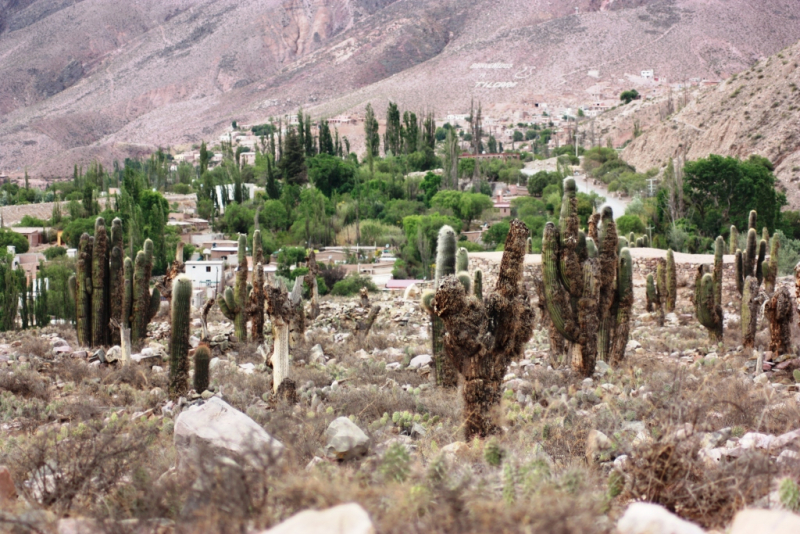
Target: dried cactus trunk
[297, 328]
[779, 311]
[311, 280]
[708, 295]
[363, 327]
[733, 243]
[233, 303]
[483, 338]
[202, 357]
[83, 291]
[99, 272]
[179, 337]
[771, 270]
[672, 282]
[751, 303]
[116, 280]
[363, 295]
[446, 374]
[145, 303]
[281, 311]
[477, 283]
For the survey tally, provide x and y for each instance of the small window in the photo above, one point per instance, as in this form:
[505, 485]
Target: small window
[208, 269]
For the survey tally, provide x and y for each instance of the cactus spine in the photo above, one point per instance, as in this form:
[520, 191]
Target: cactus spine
[466, 281]
[179, 337]
[771, 270]
[145, 303]
[672, 282]
[116, 280]
[586, 297]
[477, 283]
[233, 302]
[462, 260]
[446, 375]
[708, 294]
[202, 357]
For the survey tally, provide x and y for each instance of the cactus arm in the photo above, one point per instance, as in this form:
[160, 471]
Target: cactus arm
[445, 252]
[127, 296]
[650, 293]
[462, 260]
[709, 314]
[749, 260]
[570, 269]
[672, 282]
[762, 253]
[750, 307]
[771, 270]
[734, 240]
[719, 247]
[466, 281]
[624, 305]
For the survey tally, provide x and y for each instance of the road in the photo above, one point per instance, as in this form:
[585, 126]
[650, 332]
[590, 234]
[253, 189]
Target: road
[584, 186]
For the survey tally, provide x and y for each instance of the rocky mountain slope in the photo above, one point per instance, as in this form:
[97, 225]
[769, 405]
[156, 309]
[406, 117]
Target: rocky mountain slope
[755, 112]
[81, 80]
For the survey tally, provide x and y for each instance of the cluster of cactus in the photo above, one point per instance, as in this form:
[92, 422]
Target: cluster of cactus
[233, 303]
[587, 284]
[636, 242]
[446, 375]
[180, 322]
[657, 292]
[106, 290]
[708, 294]
[750, 262]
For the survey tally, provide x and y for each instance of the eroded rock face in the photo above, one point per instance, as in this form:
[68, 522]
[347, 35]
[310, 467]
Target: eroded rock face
[221, 428]
[348, 518]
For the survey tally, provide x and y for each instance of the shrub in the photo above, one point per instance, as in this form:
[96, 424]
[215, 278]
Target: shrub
[630, 223]
[9, 237]
[331, 275]
[54, 252]
[352, 285]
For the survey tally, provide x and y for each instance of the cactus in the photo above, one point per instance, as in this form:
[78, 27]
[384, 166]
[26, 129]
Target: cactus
[83, 291]
[632, 239]
[672, 282]
[765, 234]
[651, 293]
[529, 246]
[771, 269]
[465, 280]
[733, 245]
[779, 311]
[202, 357]
[233, 303]
[588, 298]
[622, 243]
[751, 220]
[311, 281]
[255, 308]
[708, 294]
[751, 250]
[127, 294]
[116, 280]
[752, 262]
[281, 311]
[462, 260]
[639, 242]
[446, 376]
[482, 340]
[180, 322]
[751, 303]
[145, 303]
[738, 271]
[99, 272]
[477, 283]
[660, 291]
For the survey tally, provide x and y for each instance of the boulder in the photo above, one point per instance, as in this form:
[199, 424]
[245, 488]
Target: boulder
[765, 522]
[317, 355]
[113, 354]
[345, 440]
[455, 451]
[348, 518]
[646, 518]
[597, 444]
[225, 430]
[418, 362]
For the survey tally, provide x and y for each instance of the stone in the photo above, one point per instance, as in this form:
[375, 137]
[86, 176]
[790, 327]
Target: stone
[765, 522]
[247, 368]
[597, 444]
[362, 355]
[113, 354]
[647, 518]
[345, 440]
[761, 379]
[227, 431]
[348, 518]
[99, 355]
[194, 341]
[79, 525]
[632, 345]
[455, 451]
[317, 355]
[601, 368]
[418, 362]
[7, 489]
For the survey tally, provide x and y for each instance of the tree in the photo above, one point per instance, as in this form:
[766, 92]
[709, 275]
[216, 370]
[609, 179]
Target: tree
[472, 205]
[491, 145]
[325, 139]
[430, 184]
[372, 138]
[496, 233]
[630, 223]
[204, 157]
[274, 216]
[518, 137]
[331, 175]
[393, 137]
[293, 162]
[411, 132]
[629, 95]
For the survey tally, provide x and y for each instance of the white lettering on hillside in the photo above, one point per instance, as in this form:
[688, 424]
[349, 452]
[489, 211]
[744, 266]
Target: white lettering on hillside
[495, 85]
[491, 65]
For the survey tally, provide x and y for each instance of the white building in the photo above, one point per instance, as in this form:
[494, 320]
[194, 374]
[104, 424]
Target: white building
[205, 273]
[648, 74]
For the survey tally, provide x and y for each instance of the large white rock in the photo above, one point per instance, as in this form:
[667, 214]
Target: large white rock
[345, 439]
[420, 361]
[765, 522]
[348, 518]
[221, 427]
[646, 518]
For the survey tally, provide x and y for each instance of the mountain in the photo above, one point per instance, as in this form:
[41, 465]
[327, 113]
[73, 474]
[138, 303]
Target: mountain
[754, 112]
[101, 79]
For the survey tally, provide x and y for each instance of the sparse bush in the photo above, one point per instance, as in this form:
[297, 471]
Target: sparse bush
[352, 284]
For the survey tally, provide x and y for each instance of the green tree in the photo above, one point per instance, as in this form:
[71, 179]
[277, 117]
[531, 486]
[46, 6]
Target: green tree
[274, 216]
[371, 135]
[293, 162]
[630, 223]
[325, 139]
[204, 158]
[331, 175]
[9, 237]
[628, 96]
[430, 184]
[393, 137]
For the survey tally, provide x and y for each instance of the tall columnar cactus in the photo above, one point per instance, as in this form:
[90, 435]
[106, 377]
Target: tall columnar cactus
[477, 283]
[752, 219]
[466, 281]
[484, 337]
[145, 303]
[99, 272]
[765, 234]
[255, 307]
[733, 242]
[446, 375]
[632, 239]
[462, 260]
[654, 299]
[708, 294]
[179, 336]
[771, 269]
[752, 258]
[116, 279]
[738, 271]
[281, 311]
[659, 291]
[586, 287]
[779, 311]
[672, 282]
[234, 302]
[751, 303]
[83, 291]
[762, 255]
[311, 281]
[750, 254]
[202, 357]
[127, 294]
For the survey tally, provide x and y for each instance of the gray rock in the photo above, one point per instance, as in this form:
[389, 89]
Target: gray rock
[113, 354]
[317, 355]
[194, 341]
[646, 518]
[348, 518]
[100, 355]
[345, 440]
[417, 362]
[765, 522]
[225, 430]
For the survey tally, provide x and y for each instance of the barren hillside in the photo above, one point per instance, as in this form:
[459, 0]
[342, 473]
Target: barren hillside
[99, 79]
[756, 112]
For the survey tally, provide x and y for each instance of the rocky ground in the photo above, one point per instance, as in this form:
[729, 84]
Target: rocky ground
[90, 445]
